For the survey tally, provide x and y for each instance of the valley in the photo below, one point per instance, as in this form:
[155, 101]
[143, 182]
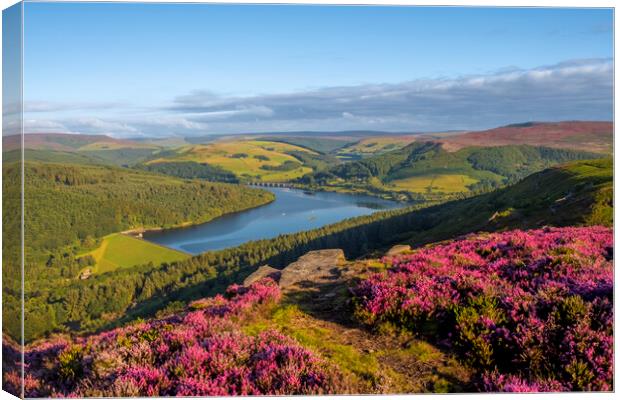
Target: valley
[196, 227]
[212, 200]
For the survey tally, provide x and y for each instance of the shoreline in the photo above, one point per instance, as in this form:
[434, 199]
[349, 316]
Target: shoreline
[134, 232]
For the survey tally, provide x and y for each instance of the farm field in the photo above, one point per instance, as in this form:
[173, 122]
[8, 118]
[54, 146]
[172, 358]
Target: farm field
[119, 251]
[253, 159]
[436, 183]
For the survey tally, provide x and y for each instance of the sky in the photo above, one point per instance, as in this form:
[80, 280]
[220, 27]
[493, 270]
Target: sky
[162, 70]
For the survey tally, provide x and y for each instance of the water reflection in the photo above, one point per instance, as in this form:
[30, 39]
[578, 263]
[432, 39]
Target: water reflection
[292, 211]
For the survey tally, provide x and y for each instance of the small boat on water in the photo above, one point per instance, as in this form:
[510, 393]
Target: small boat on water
[309, 193]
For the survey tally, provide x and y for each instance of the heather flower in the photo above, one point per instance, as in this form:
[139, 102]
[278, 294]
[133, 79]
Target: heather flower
[528, 303]
[199, 353]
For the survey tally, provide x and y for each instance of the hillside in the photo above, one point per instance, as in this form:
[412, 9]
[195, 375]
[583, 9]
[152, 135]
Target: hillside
[472, 314]
[68, 142]
[575, 194]
[70, 208]
[578, 135]
[119, 250]
[88, 149]
[429, 172]
[374, 146]
[247, 160]
[95, 200]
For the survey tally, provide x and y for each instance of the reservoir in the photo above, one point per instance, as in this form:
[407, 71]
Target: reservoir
[292, 211]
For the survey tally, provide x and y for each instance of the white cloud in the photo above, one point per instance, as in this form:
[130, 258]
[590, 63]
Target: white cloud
[578, 89]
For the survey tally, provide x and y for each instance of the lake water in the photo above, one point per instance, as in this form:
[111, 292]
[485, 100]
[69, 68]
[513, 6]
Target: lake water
[292, 211]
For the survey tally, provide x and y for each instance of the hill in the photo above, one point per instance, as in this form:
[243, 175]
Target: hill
[72, 207]
[471, 314]
[89, 149]
[430, 172]
[248, 160]
[375, 145]
[69, 142]
[592, 136]
[96, 200]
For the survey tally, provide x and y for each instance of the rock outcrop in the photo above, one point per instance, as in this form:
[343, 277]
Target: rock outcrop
[398, 249]
[312, 267]
[262, 272]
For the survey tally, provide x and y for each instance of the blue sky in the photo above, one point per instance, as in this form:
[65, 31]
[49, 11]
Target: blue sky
[180, 69]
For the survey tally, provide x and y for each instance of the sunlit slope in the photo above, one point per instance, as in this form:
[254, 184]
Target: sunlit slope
[428, 169]
[250, 160]
[82, 149]
[596, 136]
[375, 145]
[119, 250]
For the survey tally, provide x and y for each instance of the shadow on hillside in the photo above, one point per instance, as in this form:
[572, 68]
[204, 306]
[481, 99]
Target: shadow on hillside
[326, 299]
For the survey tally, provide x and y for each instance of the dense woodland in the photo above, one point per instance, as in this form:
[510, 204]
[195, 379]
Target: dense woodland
[67, 204]
[117, 297]
[191, 170]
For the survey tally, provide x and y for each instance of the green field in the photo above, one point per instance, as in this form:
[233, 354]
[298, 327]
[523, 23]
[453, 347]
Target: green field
[119, 250]
[244, 158]
[436, 183]
[375, 145]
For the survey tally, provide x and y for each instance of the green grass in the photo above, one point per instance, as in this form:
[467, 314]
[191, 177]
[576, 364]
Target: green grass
[119, 251]
[257, 153]
[384, 366]
[375, 145]
[447, 183]
[290, 320]
[323, 144]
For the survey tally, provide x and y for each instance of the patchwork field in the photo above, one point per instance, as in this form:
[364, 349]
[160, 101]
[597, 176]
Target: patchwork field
[118, 250]
[252, 159]
[436, 183]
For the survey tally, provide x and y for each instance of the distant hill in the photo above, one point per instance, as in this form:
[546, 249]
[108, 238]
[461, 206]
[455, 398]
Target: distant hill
[69, 142]
[85, 149]
[596, 136]
[431, 172]
[247, 160]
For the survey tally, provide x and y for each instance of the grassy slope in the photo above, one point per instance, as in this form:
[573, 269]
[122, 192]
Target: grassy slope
[222, 154]
[579, 193]
[322, 145]
[118, 250]
[375, 145]
[80, 149]
[445, 183]
[52, 156]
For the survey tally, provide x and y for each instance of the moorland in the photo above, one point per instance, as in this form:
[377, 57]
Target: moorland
[89, 197]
